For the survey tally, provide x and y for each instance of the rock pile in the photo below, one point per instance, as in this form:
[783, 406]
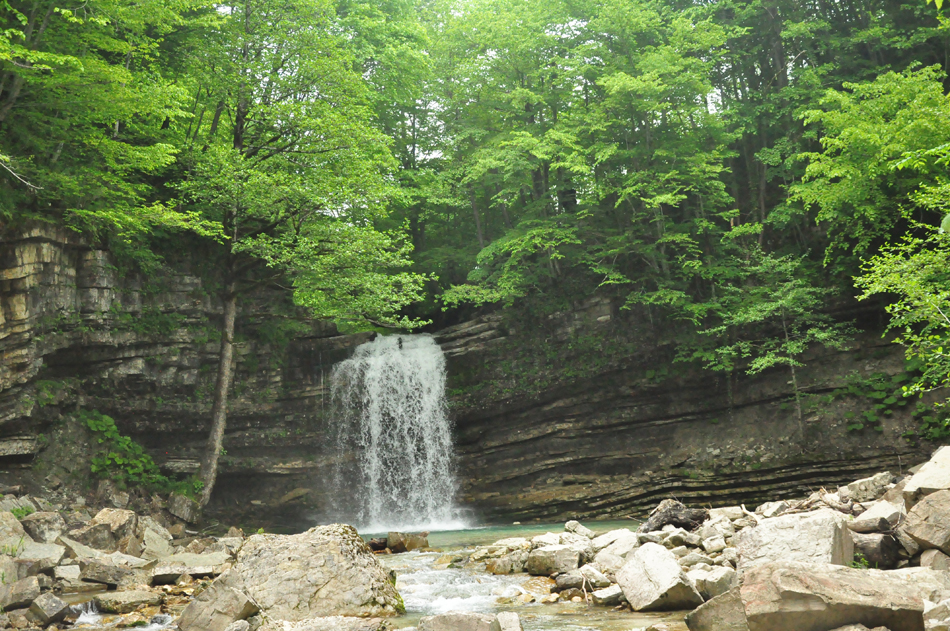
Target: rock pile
[874, 554]
[133, 567]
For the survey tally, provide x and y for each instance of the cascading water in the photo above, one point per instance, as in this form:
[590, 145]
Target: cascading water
[389, 410]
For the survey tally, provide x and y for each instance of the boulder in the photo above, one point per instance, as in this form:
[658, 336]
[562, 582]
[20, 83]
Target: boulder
[183, 507]
[714, 544]
[732, 513]
[19, 593]
[595, 579]
[712, 583]
[580, 543]
[12, 535]
[547, 560]
[652, 580]
[106, 529]
[460, 621]
[155, 545]
[821, 536]
[772, 509]
[672, 512]
[220, 604]
[48, 609]
[547, 539]
[935, 560]
[819, 596]
[239, 625]
[103, 571]
[933, 476]
[866, 489]
[608, 596]
[76, 550]
[569, 580]
[608, 563]
[604, 540]
[400, 542]
[937, 615]
[723, 613]
[44, 527]
[66, 572]
[509, 621]
[928, 522]
[326, 571]
[880, 517]
[878, 549]
[127, 602]
[623, 544]
[46, 555]
[578, 529]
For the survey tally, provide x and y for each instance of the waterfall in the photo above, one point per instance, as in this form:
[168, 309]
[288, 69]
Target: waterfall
[389, 412]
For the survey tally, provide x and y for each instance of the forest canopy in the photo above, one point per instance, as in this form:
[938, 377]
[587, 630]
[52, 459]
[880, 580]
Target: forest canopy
[739, 168]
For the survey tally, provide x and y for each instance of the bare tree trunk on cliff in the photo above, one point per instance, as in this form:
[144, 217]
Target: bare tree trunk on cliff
[219, 410]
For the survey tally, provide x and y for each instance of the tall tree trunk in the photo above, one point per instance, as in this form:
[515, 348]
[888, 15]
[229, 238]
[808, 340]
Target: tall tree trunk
[219, 410]
[478, 221]
[798, 396]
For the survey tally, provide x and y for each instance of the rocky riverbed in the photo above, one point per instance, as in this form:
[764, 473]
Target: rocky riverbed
[870, 555]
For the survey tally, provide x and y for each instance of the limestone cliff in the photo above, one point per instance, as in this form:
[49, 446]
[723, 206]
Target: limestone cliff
[580, 413]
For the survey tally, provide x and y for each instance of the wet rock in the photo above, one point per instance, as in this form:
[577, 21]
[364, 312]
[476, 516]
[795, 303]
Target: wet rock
[220, 604]
[723, 613]
[569, 580]
[509, 621]
[928, 522]
[20, 593]
[818, 596]
[933, 476]
[819, 536]
[48, 609]
[460, 621]
[126, 602]
[44, 527]
[400, 542]
[547, 560]
[879, 550]
[652, 580]
[608, 596]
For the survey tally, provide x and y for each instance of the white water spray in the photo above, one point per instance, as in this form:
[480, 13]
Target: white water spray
[389, 410]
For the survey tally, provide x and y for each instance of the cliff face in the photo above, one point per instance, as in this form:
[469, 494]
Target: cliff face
[577, 414]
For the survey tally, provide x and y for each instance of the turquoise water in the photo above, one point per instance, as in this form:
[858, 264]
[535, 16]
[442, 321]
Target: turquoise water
[428, 590]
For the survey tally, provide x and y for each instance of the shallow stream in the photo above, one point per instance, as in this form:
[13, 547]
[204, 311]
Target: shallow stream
[429, 589]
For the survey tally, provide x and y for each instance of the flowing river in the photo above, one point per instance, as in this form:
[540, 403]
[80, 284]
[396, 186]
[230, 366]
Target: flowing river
[428, 588]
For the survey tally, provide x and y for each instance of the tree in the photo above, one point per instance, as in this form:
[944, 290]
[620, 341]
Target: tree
[283, 155]
[769, 318]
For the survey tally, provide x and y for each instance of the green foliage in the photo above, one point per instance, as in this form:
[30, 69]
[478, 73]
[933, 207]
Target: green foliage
[126, 463]
[20, 513]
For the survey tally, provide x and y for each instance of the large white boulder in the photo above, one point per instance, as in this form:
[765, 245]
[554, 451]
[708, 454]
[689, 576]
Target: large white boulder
[933, 476]
[326, 571]
[625, 543]
[547, 560]
[821, 596]
[653, 580]
[820, 536]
